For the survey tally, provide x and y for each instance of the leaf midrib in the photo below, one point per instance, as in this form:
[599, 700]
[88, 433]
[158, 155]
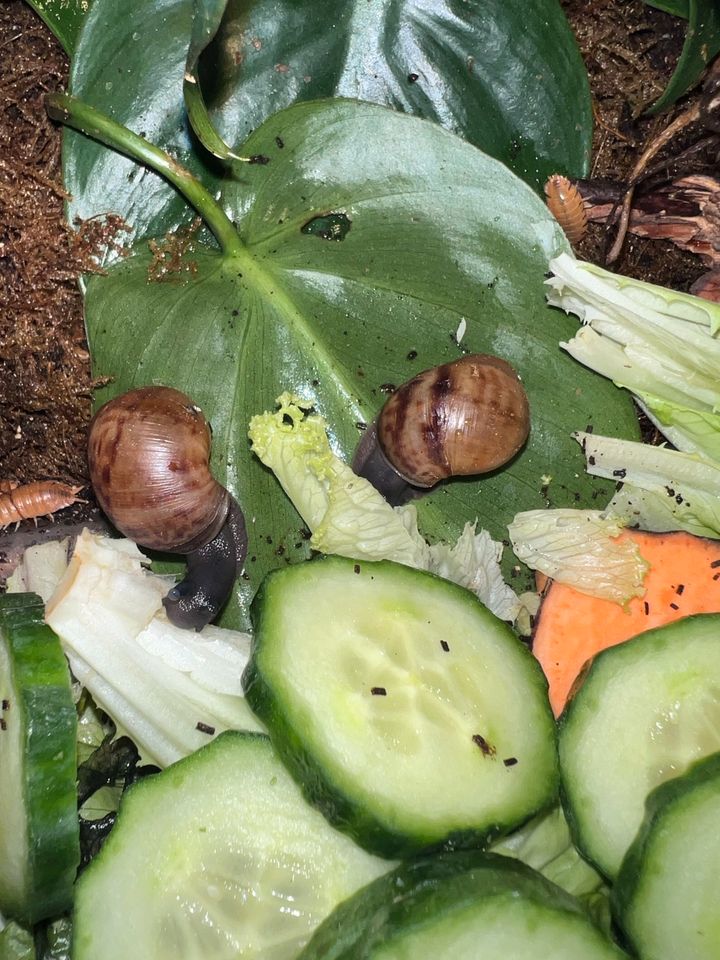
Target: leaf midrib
[268, 285]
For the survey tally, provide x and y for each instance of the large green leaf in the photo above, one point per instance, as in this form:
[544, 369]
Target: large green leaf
[64, 17]
[129, 63]
[429, 233]
[507, 76]
[702, 43]
[679, 8]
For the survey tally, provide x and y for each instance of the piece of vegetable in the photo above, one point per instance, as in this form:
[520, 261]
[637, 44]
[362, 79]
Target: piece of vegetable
[169, 689]
[39, 841]
[662, 489]
[683, 578]
[582, 548]
[667, 897]
[347, 515]
[217, 856]
[16, 943]
[412, 715]
[544, 843]
[645, 711]
[41, 568]
[462, 906]
[658, 343]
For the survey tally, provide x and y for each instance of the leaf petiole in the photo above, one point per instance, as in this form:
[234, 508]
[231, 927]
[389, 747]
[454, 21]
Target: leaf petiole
[93, 123]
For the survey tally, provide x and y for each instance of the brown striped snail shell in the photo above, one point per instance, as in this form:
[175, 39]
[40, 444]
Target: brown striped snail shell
[149, 462]
[565, 203]
[457, 419]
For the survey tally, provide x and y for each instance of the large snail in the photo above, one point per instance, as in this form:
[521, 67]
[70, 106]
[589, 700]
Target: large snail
[458, 419]
[148, 454]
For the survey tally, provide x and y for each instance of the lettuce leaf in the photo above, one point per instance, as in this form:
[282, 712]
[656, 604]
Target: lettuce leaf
[662, 489]
[169, 689]
[545, 844]
[659, 344]
[348, 516]
[16, 943]
[581, 548]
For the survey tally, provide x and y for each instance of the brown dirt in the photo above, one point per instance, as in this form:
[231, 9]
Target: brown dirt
[44, 369]
[45, 379]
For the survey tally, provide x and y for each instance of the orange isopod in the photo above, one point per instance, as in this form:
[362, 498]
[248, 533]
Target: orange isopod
[32, 500]
[565, 203]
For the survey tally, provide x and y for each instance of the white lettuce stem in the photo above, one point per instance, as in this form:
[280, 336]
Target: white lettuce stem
[659, 344]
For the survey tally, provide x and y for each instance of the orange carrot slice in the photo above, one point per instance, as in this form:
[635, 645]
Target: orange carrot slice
[571, 627]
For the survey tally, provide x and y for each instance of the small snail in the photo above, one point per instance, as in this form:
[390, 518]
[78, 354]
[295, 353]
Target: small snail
[148, 454]
[462, 418]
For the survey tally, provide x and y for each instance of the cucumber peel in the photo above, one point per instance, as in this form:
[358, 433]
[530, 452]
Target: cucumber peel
[412, 717]
[39, 830]
[218, 856]
[666, 897]
[463, 905]
[646, 710]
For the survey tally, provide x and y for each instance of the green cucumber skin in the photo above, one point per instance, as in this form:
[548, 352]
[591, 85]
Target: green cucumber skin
[45, 704]
[134, 873]
[659, 804]
[581, 690]
[328, 796]
[422, 890]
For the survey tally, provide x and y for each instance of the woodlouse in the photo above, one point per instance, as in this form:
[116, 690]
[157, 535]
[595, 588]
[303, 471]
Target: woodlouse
[31, 500]
[565, 203]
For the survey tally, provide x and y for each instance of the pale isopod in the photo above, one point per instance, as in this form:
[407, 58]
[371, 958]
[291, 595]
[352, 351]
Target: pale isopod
[566, 204]
[32, 500]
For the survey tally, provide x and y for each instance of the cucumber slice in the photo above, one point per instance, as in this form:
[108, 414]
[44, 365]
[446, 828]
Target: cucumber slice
[465, 906]
[667, 896]
[410, 714]
[39, 831]
[645, 711]
[216, 857]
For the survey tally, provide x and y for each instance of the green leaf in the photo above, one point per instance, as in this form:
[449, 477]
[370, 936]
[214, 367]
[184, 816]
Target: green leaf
[130, 63]
[436, 236]
[530, 109]
[678, 8]
[64, 17]
[508, 77]
[702, 43]
[206, 22]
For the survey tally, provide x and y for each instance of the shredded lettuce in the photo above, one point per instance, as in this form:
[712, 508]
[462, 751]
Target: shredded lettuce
[474, 562]
[581, 548]
[545, 844]
[658, 343]
[662, 489]
[41, 569]
[170, 690]
[16, 943]
[347, 516]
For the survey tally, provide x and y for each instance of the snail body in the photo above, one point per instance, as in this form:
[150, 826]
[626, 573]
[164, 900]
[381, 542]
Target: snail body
[457, 419]
[149, 462]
